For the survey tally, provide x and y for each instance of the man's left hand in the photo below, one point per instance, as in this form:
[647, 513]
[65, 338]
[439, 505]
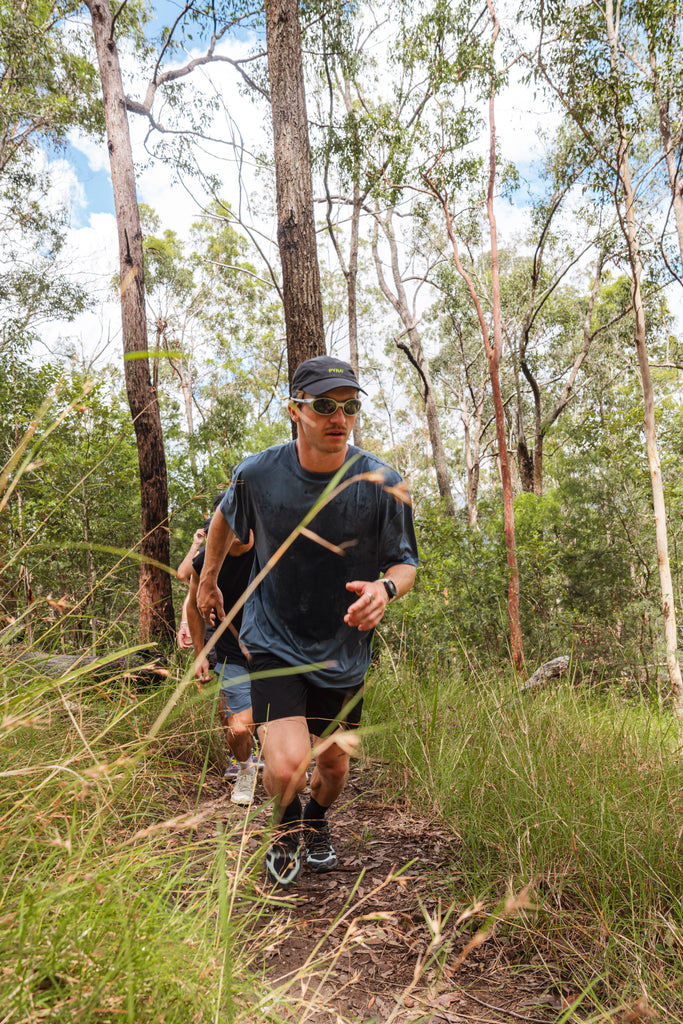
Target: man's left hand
[368, 610]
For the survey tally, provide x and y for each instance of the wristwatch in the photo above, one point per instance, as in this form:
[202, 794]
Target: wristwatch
[390, 587]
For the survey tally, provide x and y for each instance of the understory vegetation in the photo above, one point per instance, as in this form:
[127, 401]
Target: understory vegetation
[565, 801]
[523, 376]
[568, 794]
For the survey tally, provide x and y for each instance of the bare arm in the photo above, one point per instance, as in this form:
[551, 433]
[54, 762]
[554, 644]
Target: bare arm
[369, 609]
[218, 544]
[185, 567]
[184, 636]
[196, 623]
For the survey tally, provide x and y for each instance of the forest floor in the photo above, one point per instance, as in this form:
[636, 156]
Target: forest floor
[354, 948]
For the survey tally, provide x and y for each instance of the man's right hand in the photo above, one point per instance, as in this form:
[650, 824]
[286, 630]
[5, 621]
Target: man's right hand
[218, 541]
[210, 600]
[202, 673]
[184, 636]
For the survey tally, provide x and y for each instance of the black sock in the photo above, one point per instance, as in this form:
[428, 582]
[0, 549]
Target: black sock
[292, 813]
[314, 810]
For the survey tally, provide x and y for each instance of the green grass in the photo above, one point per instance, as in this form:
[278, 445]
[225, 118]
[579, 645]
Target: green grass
[575, 795]
[116, 907]
[110, 908]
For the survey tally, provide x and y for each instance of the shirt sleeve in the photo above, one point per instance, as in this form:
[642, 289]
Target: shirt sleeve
[398, 543]
[235, 508]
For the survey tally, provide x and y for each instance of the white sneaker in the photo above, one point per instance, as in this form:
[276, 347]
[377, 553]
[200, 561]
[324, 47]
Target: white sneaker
[243, 789]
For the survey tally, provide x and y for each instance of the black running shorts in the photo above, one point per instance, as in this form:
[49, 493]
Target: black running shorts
[285, 696]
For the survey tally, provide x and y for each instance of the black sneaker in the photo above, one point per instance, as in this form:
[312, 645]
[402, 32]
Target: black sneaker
[320, 855]
[283, 859]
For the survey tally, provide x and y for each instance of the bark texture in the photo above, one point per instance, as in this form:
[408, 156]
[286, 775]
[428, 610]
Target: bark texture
[156, 604]
[630, 230]
[493, 354]
[416, 355]
[494, 349]
[296, 223]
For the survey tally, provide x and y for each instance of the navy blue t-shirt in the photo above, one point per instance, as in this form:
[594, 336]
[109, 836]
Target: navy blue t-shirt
[297, 612]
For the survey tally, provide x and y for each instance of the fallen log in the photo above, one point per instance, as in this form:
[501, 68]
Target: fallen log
[549, 670]
[133, 665]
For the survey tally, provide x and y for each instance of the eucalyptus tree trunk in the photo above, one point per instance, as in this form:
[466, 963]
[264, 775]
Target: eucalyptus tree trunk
[416, 354]
[352, 294]
[296, 223]
[493, 354]
[472, 429]
[351, 273]
[531, 462]
[630, 231]
[494, 349]
[470, 396]
[156, 604]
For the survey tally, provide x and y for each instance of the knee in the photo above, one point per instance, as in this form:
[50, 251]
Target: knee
[238, 729]
[285, 771]
[334, 769]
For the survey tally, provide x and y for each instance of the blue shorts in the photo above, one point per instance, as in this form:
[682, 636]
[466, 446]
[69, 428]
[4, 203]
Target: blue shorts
[235, 697]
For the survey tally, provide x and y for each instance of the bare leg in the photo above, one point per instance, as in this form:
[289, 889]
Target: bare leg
[330, 775]
[286, 750]
[239, 732]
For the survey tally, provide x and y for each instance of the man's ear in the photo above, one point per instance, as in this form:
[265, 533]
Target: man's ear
[293, 412]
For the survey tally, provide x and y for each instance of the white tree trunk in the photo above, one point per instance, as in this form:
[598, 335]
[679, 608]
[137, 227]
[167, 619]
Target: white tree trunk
[630, 231]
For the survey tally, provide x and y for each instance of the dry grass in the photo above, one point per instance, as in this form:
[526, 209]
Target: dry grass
[572, 797]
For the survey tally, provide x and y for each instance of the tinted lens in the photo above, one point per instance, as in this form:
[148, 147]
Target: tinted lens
[326, 406]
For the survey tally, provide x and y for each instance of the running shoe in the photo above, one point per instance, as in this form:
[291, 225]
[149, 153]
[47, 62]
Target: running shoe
[320, 855]
[233, 769]
[243, 789]
[255, 759]
[283, 859]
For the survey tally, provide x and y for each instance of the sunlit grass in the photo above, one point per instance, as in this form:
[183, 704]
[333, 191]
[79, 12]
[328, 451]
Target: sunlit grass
[110, 907]
[576, 796]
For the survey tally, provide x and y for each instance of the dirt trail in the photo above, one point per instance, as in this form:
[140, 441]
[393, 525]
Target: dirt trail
[359, 953]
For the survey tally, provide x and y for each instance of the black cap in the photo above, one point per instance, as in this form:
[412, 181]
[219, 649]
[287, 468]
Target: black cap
[324, 373]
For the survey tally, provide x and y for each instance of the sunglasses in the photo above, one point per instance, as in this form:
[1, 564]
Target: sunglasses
[327, 406]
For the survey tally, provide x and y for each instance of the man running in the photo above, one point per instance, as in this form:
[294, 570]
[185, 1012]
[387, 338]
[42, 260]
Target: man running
[299, 617]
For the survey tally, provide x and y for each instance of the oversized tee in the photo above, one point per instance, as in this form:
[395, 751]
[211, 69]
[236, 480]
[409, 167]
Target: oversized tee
[297, 612]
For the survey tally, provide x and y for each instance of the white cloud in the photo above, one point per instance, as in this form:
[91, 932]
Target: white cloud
[94, 261]
[94, 150]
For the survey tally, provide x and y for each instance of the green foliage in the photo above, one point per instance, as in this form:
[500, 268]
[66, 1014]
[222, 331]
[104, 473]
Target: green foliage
[586, 558]
[457, 607]
[78, 496]
[218, 332]
[48, 86]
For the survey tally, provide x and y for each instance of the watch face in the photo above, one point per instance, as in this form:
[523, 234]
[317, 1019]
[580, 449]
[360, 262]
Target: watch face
[390, 588]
